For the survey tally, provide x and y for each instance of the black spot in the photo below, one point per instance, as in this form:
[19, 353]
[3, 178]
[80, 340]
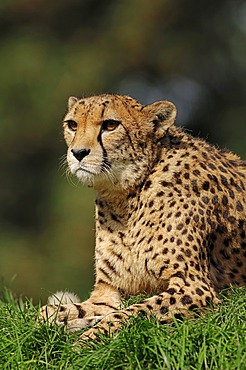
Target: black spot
[239, 206]
[231, 219]
[131, 195]
[118, 316]
[172, 300]
[190, 238]
[109, 265]
[187, 252]
[141, 240]
[199, 291]
[192, 277]
[208, 301]
[114, 217]
[142, 312]
[205, 200]
[118, 255]
[163, 310]
[147, 185]
[165, 183]
[180, 258]
[215, 199]
[193, 307]
[162, 269]
[222, 169]
[179, 316]
[195, 187]
[222, 229]
[186, 299]
[196, 218]
[81, 312]
[163, 322]
[231, 193]
[205, 185]
[224, 200]
[179, 274]
[224, 180]
[212, 166]
[149, 249]
[150, 239]
[197, 267]
[169, 228]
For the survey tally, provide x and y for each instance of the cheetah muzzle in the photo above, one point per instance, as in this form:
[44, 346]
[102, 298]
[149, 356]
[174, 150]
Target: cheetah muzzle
[170, 213]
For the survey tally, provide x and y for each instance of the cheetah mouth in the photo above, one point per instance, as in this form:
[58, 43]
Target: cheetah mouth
[82, 169]
[85, 176]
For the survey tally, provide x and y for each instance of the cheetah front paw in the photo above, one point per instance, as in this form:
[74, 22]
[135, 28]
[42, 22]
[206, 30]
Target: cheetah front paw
[67, 316]
[108, 325]
[72, 316]
[80, 324]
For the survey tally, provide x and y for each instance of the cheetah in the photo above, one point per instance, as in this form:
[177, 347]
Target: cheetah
[170, 213]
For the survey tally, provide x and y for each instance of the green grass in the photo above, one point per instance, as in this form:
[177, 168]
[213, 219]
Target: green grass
[215, 340]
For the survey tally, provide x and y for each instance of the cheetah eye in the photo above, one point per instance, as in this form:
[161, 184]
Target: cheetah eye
[110, 125]
[72, 125]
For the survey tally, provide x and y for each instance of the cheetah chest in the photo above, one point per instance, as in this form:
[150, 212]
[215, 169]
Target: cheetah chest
[132, 260]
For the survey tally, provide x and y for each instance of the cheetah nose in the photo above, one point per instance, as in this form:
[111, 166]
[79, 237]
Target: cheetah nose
[80, 153]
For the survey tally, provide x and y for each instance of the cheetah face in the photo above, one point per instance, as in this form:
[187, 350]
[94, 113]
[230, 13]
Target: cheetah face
[110, 138]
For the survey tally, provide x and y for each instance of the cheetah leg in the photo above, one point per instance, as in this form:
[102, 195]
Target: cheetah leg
[76, 316]
[176, 301]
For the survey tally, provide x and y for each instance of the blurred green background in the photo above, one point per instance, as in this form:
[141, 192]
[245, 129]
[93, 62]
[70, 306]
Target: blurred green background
[190, 52]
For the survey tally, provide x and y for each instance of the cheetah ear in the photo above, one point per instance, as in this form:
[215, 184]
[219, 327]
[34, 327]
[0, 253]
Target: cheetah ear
[71, 101]
[162, 114]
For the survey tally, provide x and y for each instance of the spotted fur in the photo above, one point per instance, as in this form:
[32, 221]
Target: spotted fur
[170, 212]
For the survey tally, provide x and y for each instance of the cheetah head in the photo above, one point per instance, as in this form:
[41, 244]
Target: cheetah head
[112, 139]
